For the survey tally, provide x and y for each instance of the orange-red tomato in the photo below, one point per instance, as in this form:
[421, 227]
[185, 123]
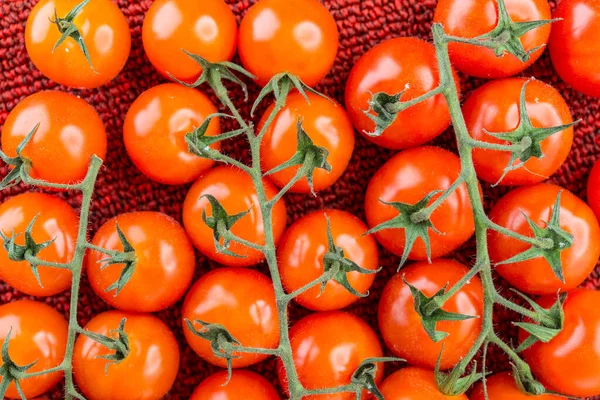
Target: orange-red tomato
[244, 385]
[593, 189]
[536, 276]
[70, 132]
[327, 348]
[55, 220]
[105, 32]
[494, 107]
[412, 383]
[325, 122]
[39, 333]
[148, 371]
[502, 386]
[206, 28]
[407, 178]
[236, 193]
[295, 36]
[303, 247]
[164, 268]
[401, 64]
[155, 129]
[475, 18]
[401, 326]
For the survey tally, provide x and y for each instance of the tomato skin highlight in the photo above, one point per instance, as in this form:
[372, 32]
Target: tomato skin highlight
[536, 276]
[244, 385]
[411, 383]
[593, 189]
[39, 333]
[502, 386]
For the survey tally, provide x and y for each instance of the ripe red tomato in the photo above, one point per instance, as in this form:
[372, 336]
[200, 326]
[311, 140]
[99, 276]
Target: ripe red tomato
[148, 371]
[327, 348]
[475, 18]
[244, 385]
[573, 47]
[494, 107]
[394, 66]
[570, 363]
[105, 32]
[593, 189]
[408, 177]
[412, 383]
[296, 36]
[69, 134]
[536, 276]
[301, 252]
[240, 299]
[56, 220]
[164, 269]
[208, 30]
[401, 326]
[236, 193]
[502, 386]
[155, 129]
[39, 333]
[325, 122]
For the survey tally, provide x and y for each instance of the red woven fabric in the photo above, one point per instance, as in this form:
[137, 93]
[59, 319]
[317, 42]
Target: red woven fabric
[121, 188]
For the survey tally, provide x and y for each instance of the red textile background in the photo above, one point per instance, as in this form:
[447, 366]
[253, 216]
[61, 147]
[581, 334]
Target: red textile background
[122, 188]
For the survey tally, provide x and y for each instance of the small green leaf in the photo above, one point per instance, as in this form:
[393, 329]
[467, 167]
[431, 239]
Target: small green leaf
[221, 223]
[552, 322]
[21, 164]
[117, 341]
[383, 110]
[126, 257]
[281, 85]
[68, 29]
[364, 376]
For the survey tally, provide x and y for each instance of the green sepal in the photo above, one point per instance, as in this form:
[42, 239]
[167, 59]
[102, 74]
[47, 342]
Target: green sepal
[20, 163]
[127, 257]
[10, 370]
[199, 143]
[383, 110]
[453, 383]
[221, 223]
[68, 29]
[526, 382]
[552, 322]
[364, 376]
[117, 341]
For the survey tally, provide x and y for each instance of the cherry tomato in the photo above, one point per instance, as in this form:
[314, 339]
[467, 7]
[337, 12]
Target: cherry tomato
[236, 193]
[393, 66]
[164, 268]
[502, 386]
[412, 383]
[494, 108]
[325, 122]
[303, 247]
[401, 326]
[208, 29]
[104, 30]
[327, 348]
[244, 385]
[295, 36]
[573, 47]
[240, 299]
[148, 371]
[70, 132]
[57, 221]
[536, 276]
[570, 363]
[407, 178]
[593, 189]
[155, 129]
[478, 17]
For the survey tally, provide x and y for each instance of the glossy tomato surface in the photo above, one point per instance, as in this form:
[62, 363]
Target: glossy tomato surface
[105, 32]
[244, 385]
[593, 189]
[502, 386]
[536, 276]
[240, 299]
[155, 129]
[412, 383]
[70, 132]
[148, 371]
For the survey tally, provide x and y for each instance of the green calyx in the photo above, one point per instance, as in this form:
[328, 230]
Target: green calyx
[126, 257]
[68, 29]
[199, 143]
[281, 85]
[551, 322]
[118, 341]
[10, 371]
[453, 383]
[364, 376]
[21, 165]
[221, 223]
[526, 382]
[383, 110]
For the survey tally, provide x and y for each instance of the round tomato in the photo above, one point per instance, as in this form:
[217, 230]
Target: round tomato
[57, 221]
[240, 299]
[148, 371]
[155, 129]
[537, 202]
[593, 189]
[327, 348]
[573, 46]
[494, 108]
[235, 191]
[165, 262]
[478, 17]
[401, 326]
[502, 386]
[295, 36]
[412, 383]
[243, 385]
[208, 29]
[407, 178]
[70, 132]
[39, 333]
[104, 30]
[301, 261]
[401, 64]
[570, 363]
[328, 126]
